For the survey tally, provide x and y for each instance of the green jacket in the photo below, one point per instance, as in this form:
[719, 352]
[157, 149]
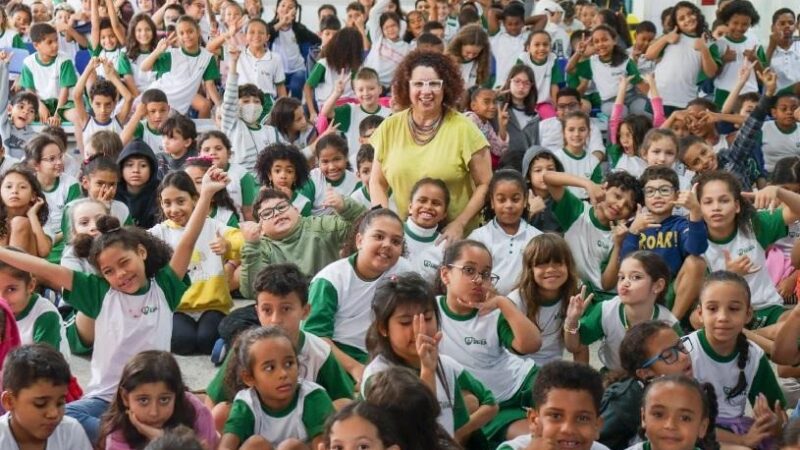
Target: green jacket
[312, 245]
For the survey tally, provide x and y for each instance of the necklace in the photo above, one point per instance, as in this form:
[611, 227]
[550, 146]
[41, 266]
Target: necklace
[423, 134]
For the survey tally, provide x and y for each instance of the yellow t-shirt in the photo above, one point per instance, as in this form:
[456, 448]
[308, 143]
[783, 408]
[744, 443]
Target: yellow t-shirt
[446, 157]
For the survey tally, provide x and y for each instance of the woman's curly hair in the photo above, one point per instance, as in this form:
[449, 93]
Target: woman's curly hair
[445, 68]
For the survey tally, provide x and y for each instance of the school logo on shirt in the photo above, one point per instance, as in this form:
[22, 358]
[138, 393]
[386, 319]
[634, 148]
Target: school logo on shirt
[149, 310]
[745, 250]
[737, 401]
[474, 341]
[430, 264]
[605, 245]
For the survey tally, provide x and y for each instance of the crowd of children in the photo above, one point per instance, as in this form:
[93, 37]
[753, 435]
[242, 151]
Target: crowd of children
[160, 159]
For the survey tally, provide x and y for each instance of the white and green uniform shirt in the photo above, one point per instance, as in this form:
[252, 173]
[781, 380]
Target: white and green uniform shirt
[506, 251]
[92, 126]
[678, 72]
[729, 73]
[585, 166]
[68, 434]
[786, 64]
[113, 56]
[606, 77]
[424, 254]
[769, 228]
[48, 79]
[448, 391]
[385, 56]
[150, 137]
[180, 74]
[606, 320]
[522, 443]
[9, 38]
[588, 239]
[141, 79]
[549, 321]
[65, 190]
[126, 324]
[547, 74]
[340, 304]
[243, 187]
[777, 143]
[362, 197]
[469, 73]
[643, 446]
[302, 203]
[317, 184]
[722, 371]
[303, 419]
[265, 72]
[40, 322]
[323, 79]
[506, 58]
[349, 118]
[481, 344]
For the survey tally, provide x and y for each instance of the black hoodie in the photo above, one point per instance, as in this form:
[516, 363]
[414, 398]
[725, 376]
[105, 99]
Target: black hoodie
[144, 204]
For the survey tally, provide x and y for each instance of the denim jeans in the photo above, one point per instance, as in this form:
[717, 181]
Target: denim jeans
[294, 84]
[88, 411]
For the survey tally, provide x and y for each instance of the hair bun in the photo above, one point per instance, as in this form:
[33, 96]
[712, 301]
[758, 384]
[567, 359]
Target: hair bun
[107, 223]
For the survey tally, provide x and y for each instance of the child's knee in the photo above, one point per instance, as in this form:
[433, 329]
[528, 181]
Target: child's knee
[20, 224]
[220, 413]
[693, 267]
[256, 443]
[292, 444]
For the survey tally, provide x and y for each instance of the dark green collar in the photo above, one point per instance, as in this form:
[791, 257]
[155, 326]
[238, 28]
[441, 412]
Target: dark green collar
[457, 317]
[701, 336]
[281, 412]
[24, 313]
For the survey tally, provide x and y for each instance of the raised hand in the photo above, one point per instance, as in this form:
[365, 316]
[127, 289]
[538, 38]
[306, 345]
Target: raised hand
[503, 116]
[341, 82]
[33, 211]
[741, 265]
[333, 199]
[673, 37]
[688, 200]
[535, 204]
[766, 198]
[751, 54]
[596, 193]
[251, 231]
[427, 346]
[214, 180]
[578, 304]
[729, 55]
[644, 219]
[219, 246]
[745, 71]
[770, 80]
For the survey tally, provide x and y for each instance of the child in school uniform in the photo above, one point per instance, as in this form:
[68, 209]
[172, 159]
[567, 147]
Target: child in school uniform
[548, 73]
[388, 49]
[260, 66]
[426, 212]
[508, 41]
[105, 37]
[178, 134]
[50, 75]
[130, 62]
[145, 122]
[282, 167]
[783, 52]
[17, 113]
[574, 154]
[243, 187]
[780, 138]
[331, 152]
[366, 153]
[343, 56]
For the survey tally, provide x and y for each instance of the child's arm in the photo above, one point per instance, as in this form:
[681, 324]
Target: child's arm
[214, 180]
[329, 106]
[710, 67]
[94, 37]
[558, 181]
[608, 279]
[653, 52]
[486, 411]
[619, 105]
[116, 26]
[71, 34]
[48, 273]
[212, 92]
[525, 335]
[578, 304]
[161, 47]
[655, 100]
[742, 148]
[230, 99]
[577, 56]
[744, 74]
[785, 350]
[5, 57]
[129, 131]
[80, 88]
[127, 97]
[311, 102]
[215, 45]
[771, 196]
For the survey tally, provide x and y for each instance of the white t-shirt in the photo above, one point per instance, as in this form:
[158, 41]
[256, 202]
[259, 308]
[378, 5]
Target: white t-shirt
[506, 251]
[786, 64]
[777, 144]
[678, 71]
[551, 133]
[729, 73]
[265, 72]
[285, 45]
[506, 47]
[549, 321]
[184, 77]
[57, 199]
[543, 74]
[68, 435]
[522, 443]
[344, 187]
[424, 254]
[583, 166]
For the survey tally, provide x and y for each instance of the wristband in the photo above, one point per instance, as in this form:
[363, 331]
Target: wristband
[572, 330]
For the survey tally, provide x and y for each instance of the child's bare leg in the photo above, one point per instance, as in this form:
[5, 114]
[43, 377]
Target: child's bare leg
[517, 429]
[20, 235]
[71, 115]
[202, 105]
[256, 443]
[85, 326]
[220, 413]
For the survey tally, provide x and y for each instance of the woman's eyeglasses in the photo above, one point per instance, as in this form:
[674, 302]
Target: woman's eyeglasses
[670, 355]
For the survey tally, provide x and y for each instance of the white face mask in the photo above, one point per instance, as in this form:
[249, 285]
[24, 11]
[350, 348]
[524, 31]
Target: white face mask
[250, 112]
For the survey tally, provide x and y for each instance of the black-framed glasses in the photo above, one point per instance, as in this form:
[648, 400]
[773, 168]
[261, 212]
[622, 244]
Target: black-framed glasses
[472, 273]
[269, 213]
[670, 355]
[664, 191]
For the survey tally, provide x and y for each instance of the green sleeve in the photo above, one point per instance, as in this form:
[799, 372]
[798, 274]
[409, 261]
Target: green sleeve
[334, 379]
[138, 132]
[678, 329]
[316, 409]
[597, 174]
[254, 257]
[556, 75]
[762, 56]
[124, 66]
[568, 209]
[307, 209]
[173, 287]
[614, 153]
[26, 78]
[47, 329]
[128, 220]
[344, 220]
[764, 382]
[216, 387]
[769, 226]
[68, 77]
[17, 42]
[716, 56]
[504, 447]
[241, 421]
[73, 193]
[505, 332]
[591, 325]
[249, 188]
[341, 115]
[316, 76]
[467, 382]
[163, 64]
[308, 190]
[65, 220]
[87, 293]
[212, 70]
[584, 69]
[95, 51]
[324, 304]
[633, 71]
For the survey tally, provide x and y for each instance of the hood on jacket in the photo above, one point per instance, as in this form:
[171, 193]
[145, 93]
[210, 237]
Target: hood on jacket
[139, 148]
[532, 153]
[143, 205]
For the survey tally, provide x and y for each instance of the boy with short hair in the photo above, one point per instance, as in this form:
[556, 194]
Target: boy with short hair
[242, 110]
[594, 231]
[510, 38]
[282, 299]
[35, 381]
[780, 138]
[430, 42]
[367, 87]
[103, 96]
[328, 26]
[551, 131]
[178, 134]
[680, 241]
[16, 116]
[146, 121]
[572, 391]
[50, 76]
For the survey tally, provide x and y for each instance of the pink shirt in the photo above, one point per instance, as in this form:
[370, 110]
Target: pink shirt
[203, 427]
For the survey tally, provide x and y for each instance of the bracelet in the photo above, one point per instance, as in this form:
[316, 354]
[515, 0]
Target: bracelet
[572, 330]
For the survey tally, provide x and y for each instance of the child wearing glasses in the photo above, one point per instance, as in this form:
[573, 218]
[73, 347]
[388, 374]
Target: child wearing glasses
[679, 240]
[641, 286]
[649, 350]
[486, 333]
